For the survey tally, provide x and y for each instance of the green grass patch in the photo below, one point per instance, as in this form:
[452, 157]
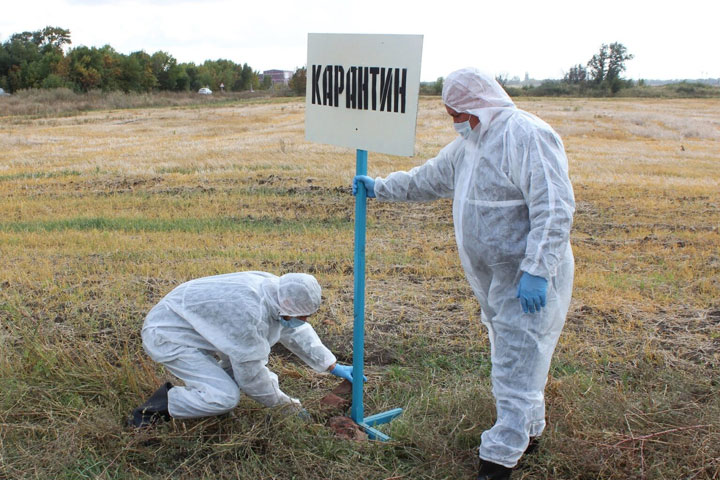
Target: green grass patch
[34, 175]
[191, 225]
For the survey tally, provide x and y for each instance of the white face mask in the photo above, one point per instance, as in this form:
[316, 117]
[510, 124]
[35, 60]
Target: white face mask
[463, 128]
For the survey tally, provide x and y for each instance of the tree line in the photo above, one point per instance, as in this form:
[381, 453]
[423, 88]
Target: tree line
[600, 76]
[42, 59]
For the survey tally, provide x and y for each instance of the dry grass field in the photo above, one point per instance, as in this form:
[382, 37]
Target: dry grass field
[102, 213]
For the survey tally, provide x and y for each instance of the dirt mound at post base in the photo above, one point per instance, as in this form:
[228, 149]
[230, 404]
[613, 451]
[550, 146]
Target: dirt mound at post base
[345, 428]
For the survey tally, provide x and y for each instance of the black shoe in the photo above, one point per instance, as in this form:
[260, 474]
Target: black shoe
[153, 410]
[493, 471]
[532, 446]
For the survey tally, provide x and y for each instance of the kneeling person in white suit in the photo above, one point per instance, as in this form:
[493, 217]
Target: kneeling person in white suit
[215, 334]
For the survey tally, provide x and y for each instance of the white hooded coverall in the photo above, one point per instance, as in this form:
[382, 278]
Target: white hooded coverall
[233, 317]
[512, 209]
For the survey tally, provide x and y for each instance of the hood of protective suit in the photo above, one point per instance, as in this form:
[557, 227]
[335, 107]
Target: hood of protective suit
[471, 91]
[299, 294]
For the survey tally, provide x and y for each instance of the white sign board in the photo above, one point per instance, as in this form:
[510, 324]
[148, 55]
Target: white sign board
[362, 91]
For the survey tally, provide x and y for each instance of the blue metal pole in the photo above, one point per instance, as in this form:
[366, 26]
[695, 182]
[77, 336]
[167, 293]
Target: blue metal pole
[356, 409]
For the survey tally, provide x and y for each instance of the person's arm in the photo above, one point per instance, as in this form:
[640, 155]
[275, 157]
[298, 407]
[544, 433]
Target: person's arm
[430, 181]
[259, 383]
[304, 342]
[544, 181]
[249, 357]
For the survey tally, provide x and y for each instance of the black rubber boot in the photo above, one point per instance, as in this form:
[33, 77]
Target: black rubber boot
[153, 410]
[493, 471]
[532, 446]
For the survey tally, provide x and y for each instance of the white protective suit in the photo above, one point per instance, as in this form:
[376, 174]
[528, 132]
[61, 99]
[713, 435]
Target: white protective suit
[512, 208]
[234, 317]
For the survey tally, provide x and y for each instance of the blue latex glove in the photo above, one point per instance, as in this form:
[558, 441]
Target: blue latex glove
[367, 181]
[344, 371]
[303, 415]
[296, 409]
[531, 292]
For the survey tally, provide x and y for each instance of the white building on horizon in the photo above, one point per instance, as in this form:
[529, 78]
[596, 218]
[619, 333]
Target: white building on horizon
[277, 76]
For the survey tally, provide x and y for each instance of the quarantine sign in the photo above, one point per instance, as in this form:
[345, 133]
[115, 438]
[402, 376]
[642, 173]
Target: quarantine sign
[362, 91]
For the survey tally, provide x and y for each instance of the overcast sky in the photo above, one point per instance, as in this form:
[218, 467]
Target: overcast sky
[670, 40]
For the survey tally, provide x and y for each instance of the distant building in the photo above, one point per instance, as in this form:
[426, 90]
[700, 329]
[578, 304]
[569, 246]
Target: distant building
[515, 82]
[277, 76]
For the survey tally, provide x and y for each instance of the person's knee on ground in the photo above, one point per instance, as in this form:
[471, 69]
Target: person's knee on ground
[202, 401]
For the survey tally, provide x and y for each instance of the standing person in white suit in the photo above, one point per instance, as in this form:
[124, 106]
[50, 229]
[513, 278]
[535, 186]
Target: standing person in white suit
[513, 205]
[215, 334]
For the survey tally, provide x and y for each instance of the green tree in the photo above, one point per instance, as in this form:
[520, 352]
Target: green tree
[146, 79]
[5, 64]
[85, 68]
[111, 70]
[20, 52]
[204, 77]
[248, 78]
[606, 66]
[54, 81]
[50, 42]
[52, 39]
[38, 60]
[298, 82]
[191, 71]
[616, 65]
[181, 77]
[597, 65]
[167, 72]
[27, 58]
[576, 74]
[438, 86]
[266, 82]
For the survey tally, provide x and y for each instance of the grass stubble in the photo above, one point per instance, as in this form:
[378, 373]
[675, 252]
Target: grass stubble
[102, 213]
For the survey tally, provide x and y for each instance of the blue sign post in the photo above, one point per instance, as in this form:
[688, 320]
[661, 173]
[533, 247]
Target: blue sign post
[362, 92]
[356, 409]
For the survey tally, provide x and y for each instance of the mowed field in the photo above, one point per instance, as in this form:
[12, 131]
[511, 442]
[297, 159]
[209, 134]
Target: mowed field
[103, 213]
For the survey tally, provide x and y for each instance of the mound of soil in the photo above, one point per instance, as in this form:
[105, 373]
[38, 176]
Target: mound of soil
[345, 428]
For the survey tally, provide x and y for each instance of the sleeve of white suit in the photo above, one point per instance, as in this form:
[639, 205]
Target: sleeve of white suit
[430, 181]
[304, 342]
[543, 177]
[259, 383]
